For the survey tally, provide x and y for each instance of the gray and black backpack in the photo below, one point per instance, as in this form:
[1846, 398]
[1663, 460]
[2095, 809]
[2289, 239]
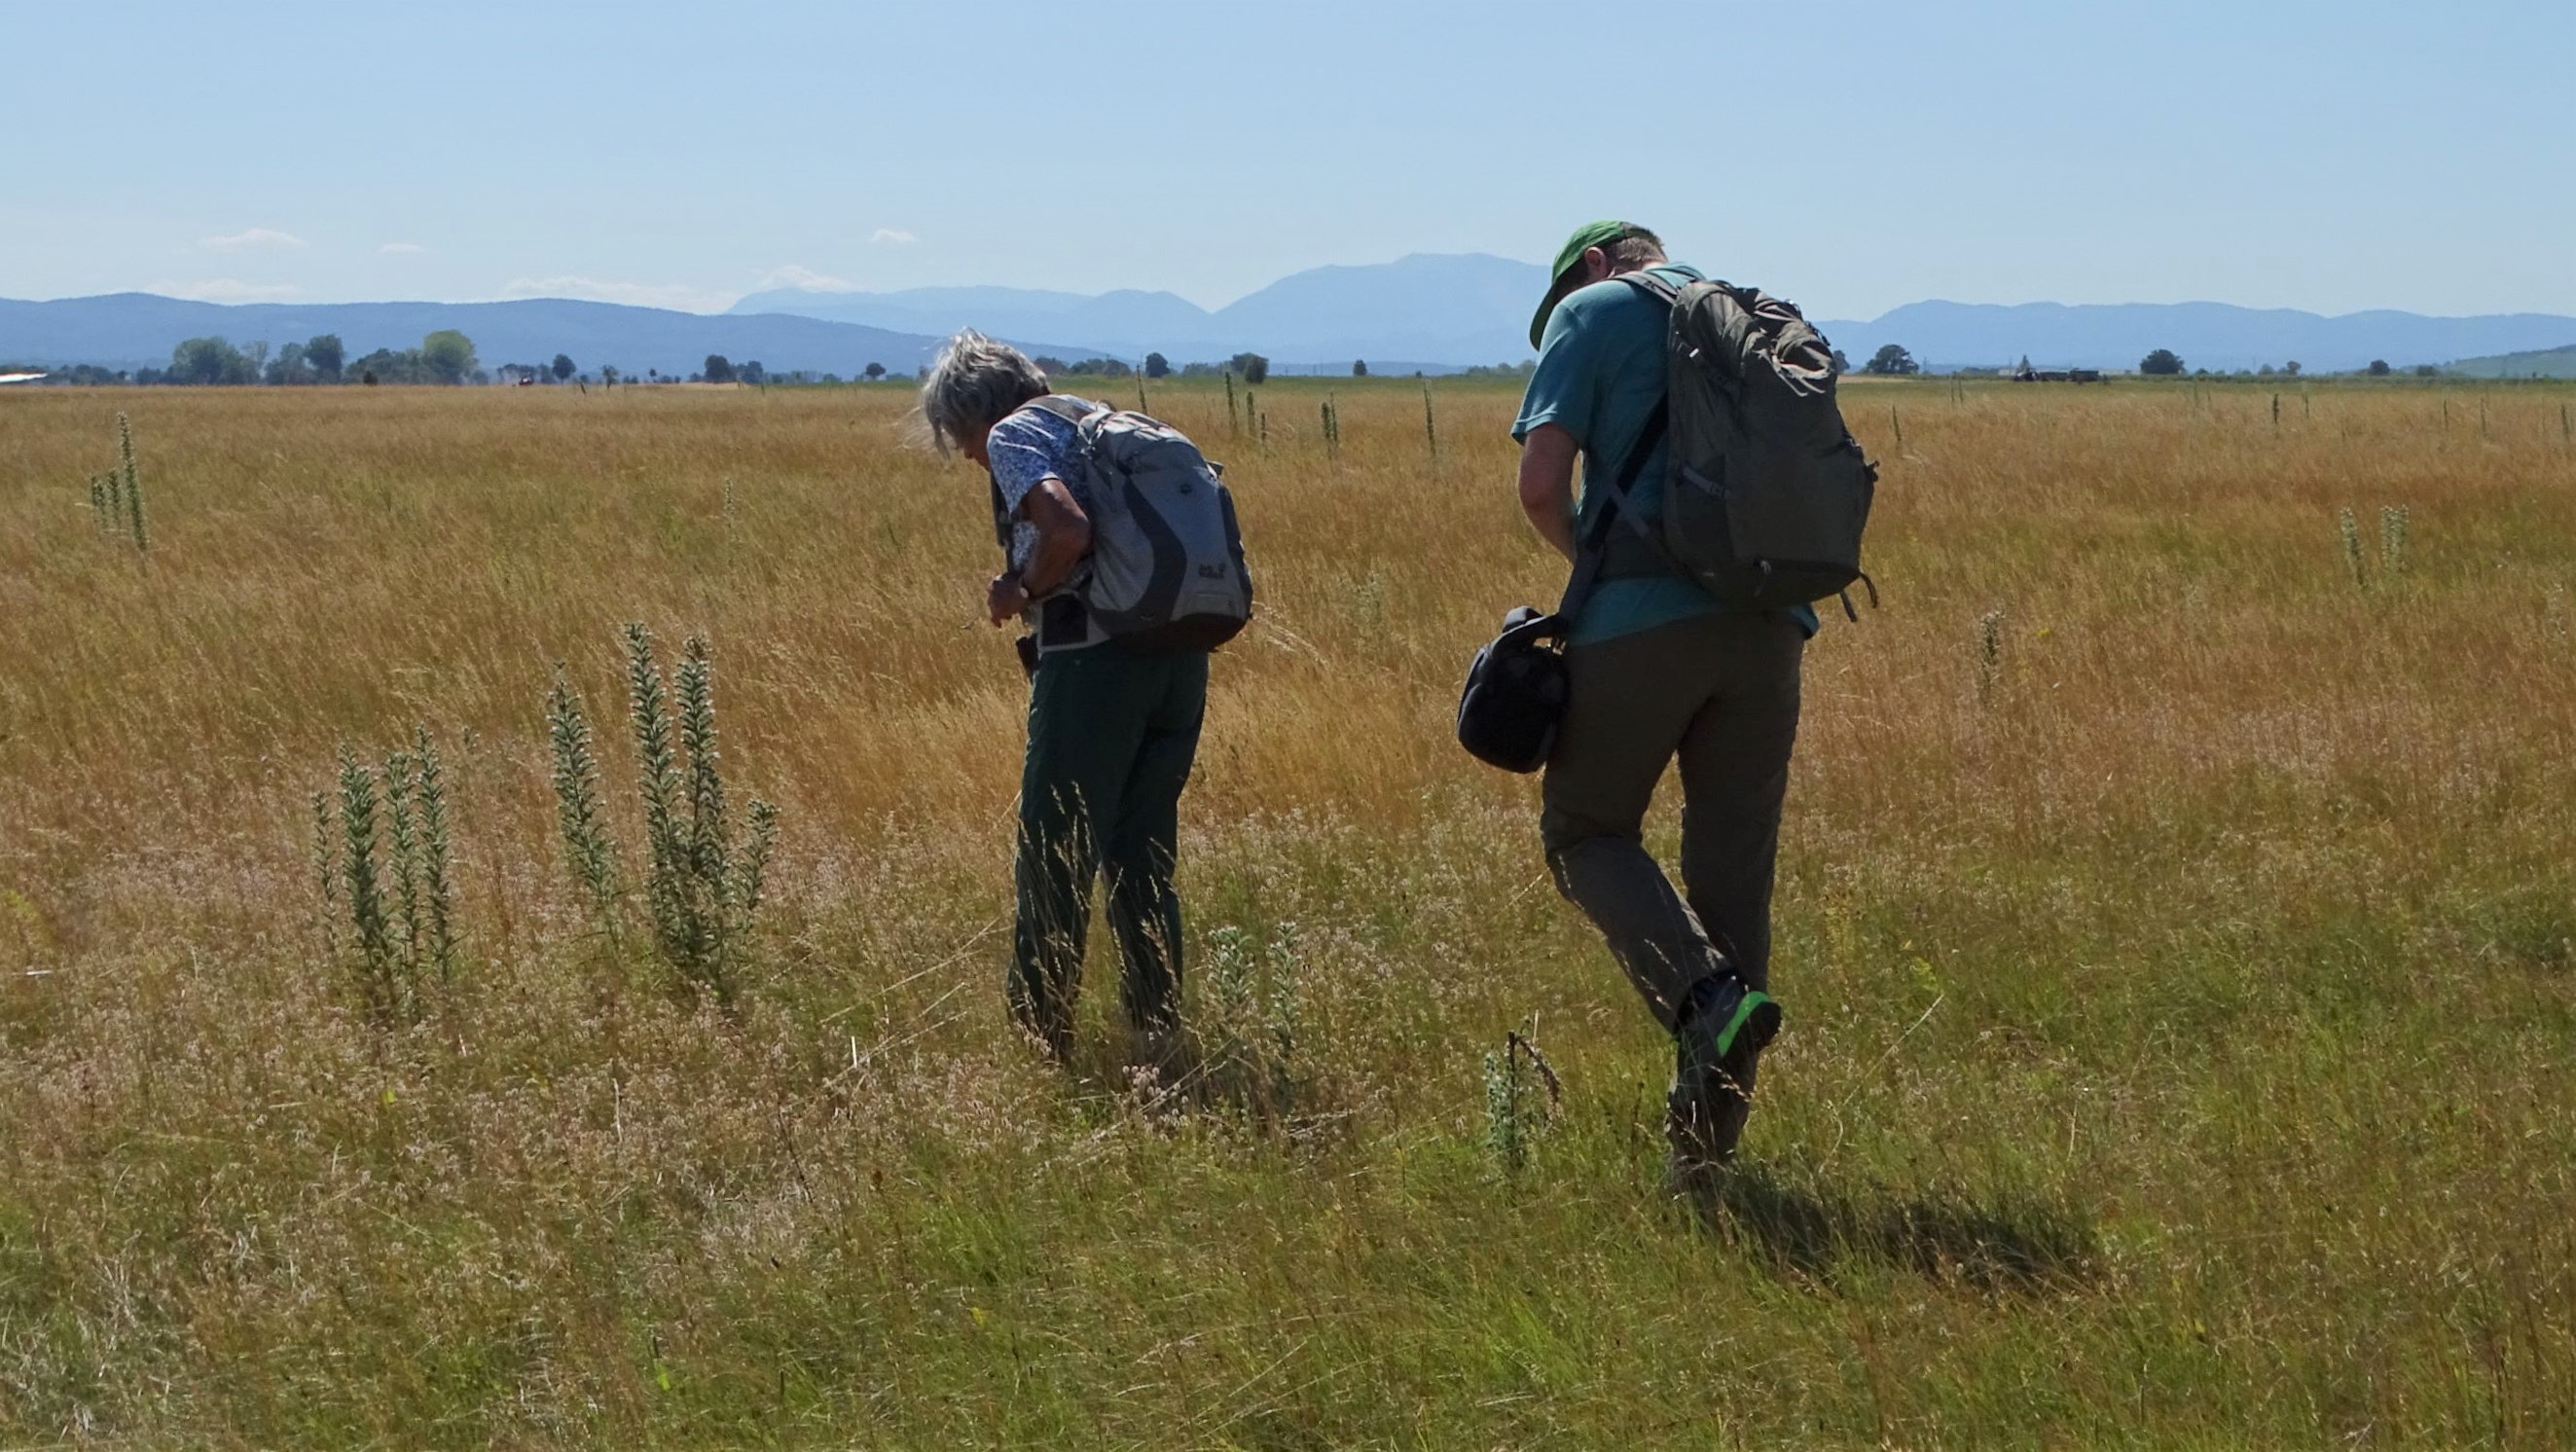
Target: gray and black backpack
[1166, 569]
[1766, 493]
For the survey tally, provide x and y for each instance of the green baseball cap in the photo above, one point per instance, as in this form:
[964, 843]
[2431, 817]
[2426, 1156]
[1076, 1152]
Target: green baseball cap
[1560, 278]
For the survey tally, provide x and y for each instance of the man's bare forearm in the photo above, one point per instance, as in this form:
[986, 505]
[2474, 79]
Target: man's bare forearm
[1547, 485]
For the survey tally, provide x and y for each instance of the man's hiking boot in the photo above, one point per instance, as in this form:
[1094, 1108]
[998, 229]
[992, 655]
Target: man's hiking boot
[1725, 1027]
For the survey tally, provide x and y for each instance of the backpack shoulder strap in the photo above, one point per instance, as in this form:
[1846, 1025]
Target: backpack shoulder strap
[1588, 558]
[1064, 408]
[1644, 280]
[1086, 421]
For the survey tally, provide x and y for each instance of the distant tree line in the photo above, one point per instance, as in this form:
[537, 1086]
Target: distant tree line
[445, 356]
[1893, 361]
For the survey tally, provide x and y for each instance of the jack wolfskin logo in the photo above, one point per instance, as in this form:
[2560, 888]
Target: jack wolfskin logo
[1212, 572]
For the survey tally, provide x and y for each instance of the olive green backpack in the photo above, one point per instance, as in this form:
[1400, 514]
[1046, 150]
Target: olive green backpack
[1766, 493]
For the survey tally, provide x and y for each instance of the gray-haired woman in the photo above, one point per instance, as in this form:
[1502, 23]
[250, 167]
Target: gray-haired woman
[1112, 731]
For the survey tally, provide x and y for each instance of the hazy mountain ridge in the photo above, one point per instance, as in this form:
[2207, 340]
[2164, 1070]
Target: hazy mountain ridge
[139, 330]
[2217, 336]
[1459, 309]
[1471, 308]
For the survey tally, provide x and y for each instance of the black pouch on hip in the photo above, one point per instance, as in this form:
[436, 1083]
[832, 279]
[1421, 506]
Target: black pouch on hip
[1517, 686]
[1515, 693]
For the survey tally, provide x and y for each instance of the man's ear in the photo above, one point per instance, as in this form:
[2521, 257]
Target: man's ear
[1596, 264]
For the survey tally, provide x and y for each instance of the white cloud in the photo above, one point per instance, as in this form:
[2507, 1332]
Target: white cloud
[401, 249]
[893, 236]
[634, 294]
[793, 275]
[225, 290]
[256, 239]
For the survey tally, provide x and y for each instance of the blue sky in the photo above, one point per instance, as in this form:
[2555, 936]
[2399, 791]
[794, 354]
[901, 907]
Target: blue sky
[1852, 155]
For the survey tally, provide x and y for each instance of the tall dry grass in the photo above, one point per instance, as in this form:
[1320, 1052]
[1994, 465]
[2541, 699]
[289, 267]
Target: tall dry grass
[2175, 932]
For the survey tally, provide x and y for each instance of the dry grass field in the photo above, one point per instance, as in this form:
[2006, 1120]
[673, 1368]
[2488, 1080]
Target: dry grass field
[2177, 934]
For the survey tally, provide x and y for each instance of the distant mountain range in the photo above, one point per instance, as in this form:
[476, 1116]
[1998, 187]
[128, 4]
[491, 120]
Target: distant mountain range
[1471, 308]
[138, 330]
[2216, 336]
[1454, 310]
[1425, 311]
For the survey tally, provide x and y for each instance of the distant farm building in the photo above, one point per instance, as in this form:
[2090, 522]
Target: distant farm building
[2067, 375]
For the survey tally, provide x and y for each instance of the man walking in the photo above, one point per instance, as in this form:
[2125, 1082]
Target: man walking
[1659, 669]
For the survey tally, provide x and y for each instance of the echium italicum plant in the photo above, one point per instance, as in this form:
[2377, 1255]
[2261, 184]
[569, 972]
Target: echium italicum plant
[133, 483]
[1990, 652]
[116, 497]
[588, 849]
[1257, 1020]
[2392, 539]
[384, 864]
[1521, 1096]
[703, 882]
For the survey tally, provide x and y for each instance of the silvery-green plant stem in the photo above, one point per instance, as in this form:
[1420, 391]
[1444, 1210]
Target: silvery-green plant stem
[1430, 424]
[587, 846]
[1990, 652]
[1503, 1130]
[2349, 530]
[1520, 1092]
[1286, 1006]
[648, 712]
[1232, 996]
[438, 889]
[403, 868]
[752, 872]
[658, 783]
[707, 825]
[366, 893]
[133, 482]
[704, 879]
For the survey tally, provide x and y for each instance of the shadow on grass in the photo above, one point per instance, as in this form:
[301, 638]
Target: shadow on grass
[1994, 1244]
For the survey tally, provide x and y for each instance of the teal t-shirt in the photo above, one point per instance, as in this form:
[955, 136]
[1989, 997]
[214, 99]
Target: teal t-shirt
[1600, 374]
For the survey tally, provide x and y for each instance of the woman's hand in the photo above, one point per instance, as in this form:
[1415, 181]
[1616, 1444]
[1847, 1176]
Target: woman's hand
[1064, 537]
[1005, 598]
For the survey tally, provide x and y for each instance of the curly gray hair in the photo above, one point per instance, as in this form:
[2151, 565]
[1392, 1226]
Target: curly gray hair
[975, 384]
